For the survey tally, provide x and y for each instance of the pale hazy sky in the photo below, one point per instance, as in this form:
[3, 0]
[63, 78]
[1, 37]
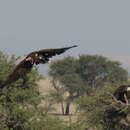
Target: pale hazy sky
[97, 26]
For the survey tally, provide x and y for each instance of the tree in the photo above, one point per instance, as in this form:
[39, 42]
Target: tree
[66, 79]
[79, 76]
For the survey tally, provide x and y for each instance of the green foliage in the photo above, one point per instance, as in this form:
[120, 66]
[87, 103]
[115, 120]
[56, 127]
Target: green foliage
[64, 71]
[48, 123]
[6, 64]
[62, 67]
[98, 70]
[19, 104]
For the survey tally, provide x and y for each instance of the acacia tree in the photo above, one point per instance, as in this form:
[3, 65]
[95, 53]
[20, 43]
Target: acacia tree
[79, 76]
[64, 74]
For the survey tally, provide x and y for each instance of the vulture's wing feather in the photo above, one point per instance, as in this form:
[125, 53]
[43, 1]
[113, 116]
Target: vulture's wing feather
[42, 56]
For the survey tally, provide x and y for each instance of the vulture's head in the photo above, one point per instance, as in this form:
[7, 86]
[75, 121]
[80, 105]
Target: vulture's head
[29, 59]
[36, 58]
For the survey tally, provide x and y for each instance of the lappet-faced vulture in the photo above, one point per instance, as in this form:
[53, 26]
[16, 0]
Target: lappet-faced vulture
[36, 57]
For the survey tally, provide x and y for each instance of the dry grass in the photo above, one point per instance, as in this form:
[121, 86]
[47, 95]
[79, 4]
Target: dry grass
[45, 86]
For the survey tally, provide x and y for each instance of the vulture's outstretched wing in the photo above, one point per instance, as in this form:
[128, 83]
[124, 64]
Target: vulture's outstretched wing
[43, 56]
[26, 64]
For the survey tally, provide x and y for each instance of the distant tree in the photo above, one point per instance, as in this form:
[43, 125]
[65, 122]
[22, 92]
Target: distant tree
[79, 76]
[66, 79]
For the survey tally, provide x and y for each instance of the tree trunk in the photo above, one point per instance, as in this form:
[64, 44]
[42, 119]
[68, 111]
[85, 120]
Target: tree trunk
[67, 112]
[62, 108]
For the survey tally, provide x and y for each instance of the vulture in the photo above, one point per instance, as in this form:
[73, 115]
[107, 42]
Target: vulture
[36, 57]
[122, 93]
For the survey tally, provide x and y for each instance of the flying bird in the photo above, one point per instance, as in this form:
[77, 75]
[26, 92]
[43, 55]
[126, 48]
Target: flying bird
[36, 57]
[122, 93]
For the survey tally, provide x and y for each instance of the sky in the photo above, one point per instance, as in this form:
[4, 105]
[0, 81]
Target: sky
[98, 26]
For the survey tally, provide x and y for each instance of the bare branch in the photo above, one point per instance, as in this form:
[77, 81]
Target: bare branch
[125, 105]
[114, 98]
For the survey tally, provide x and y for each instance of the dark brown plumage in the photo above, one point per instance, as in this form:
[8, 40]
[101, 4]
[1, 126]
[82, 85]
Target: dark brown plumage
[121, 92]
[36, 57]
